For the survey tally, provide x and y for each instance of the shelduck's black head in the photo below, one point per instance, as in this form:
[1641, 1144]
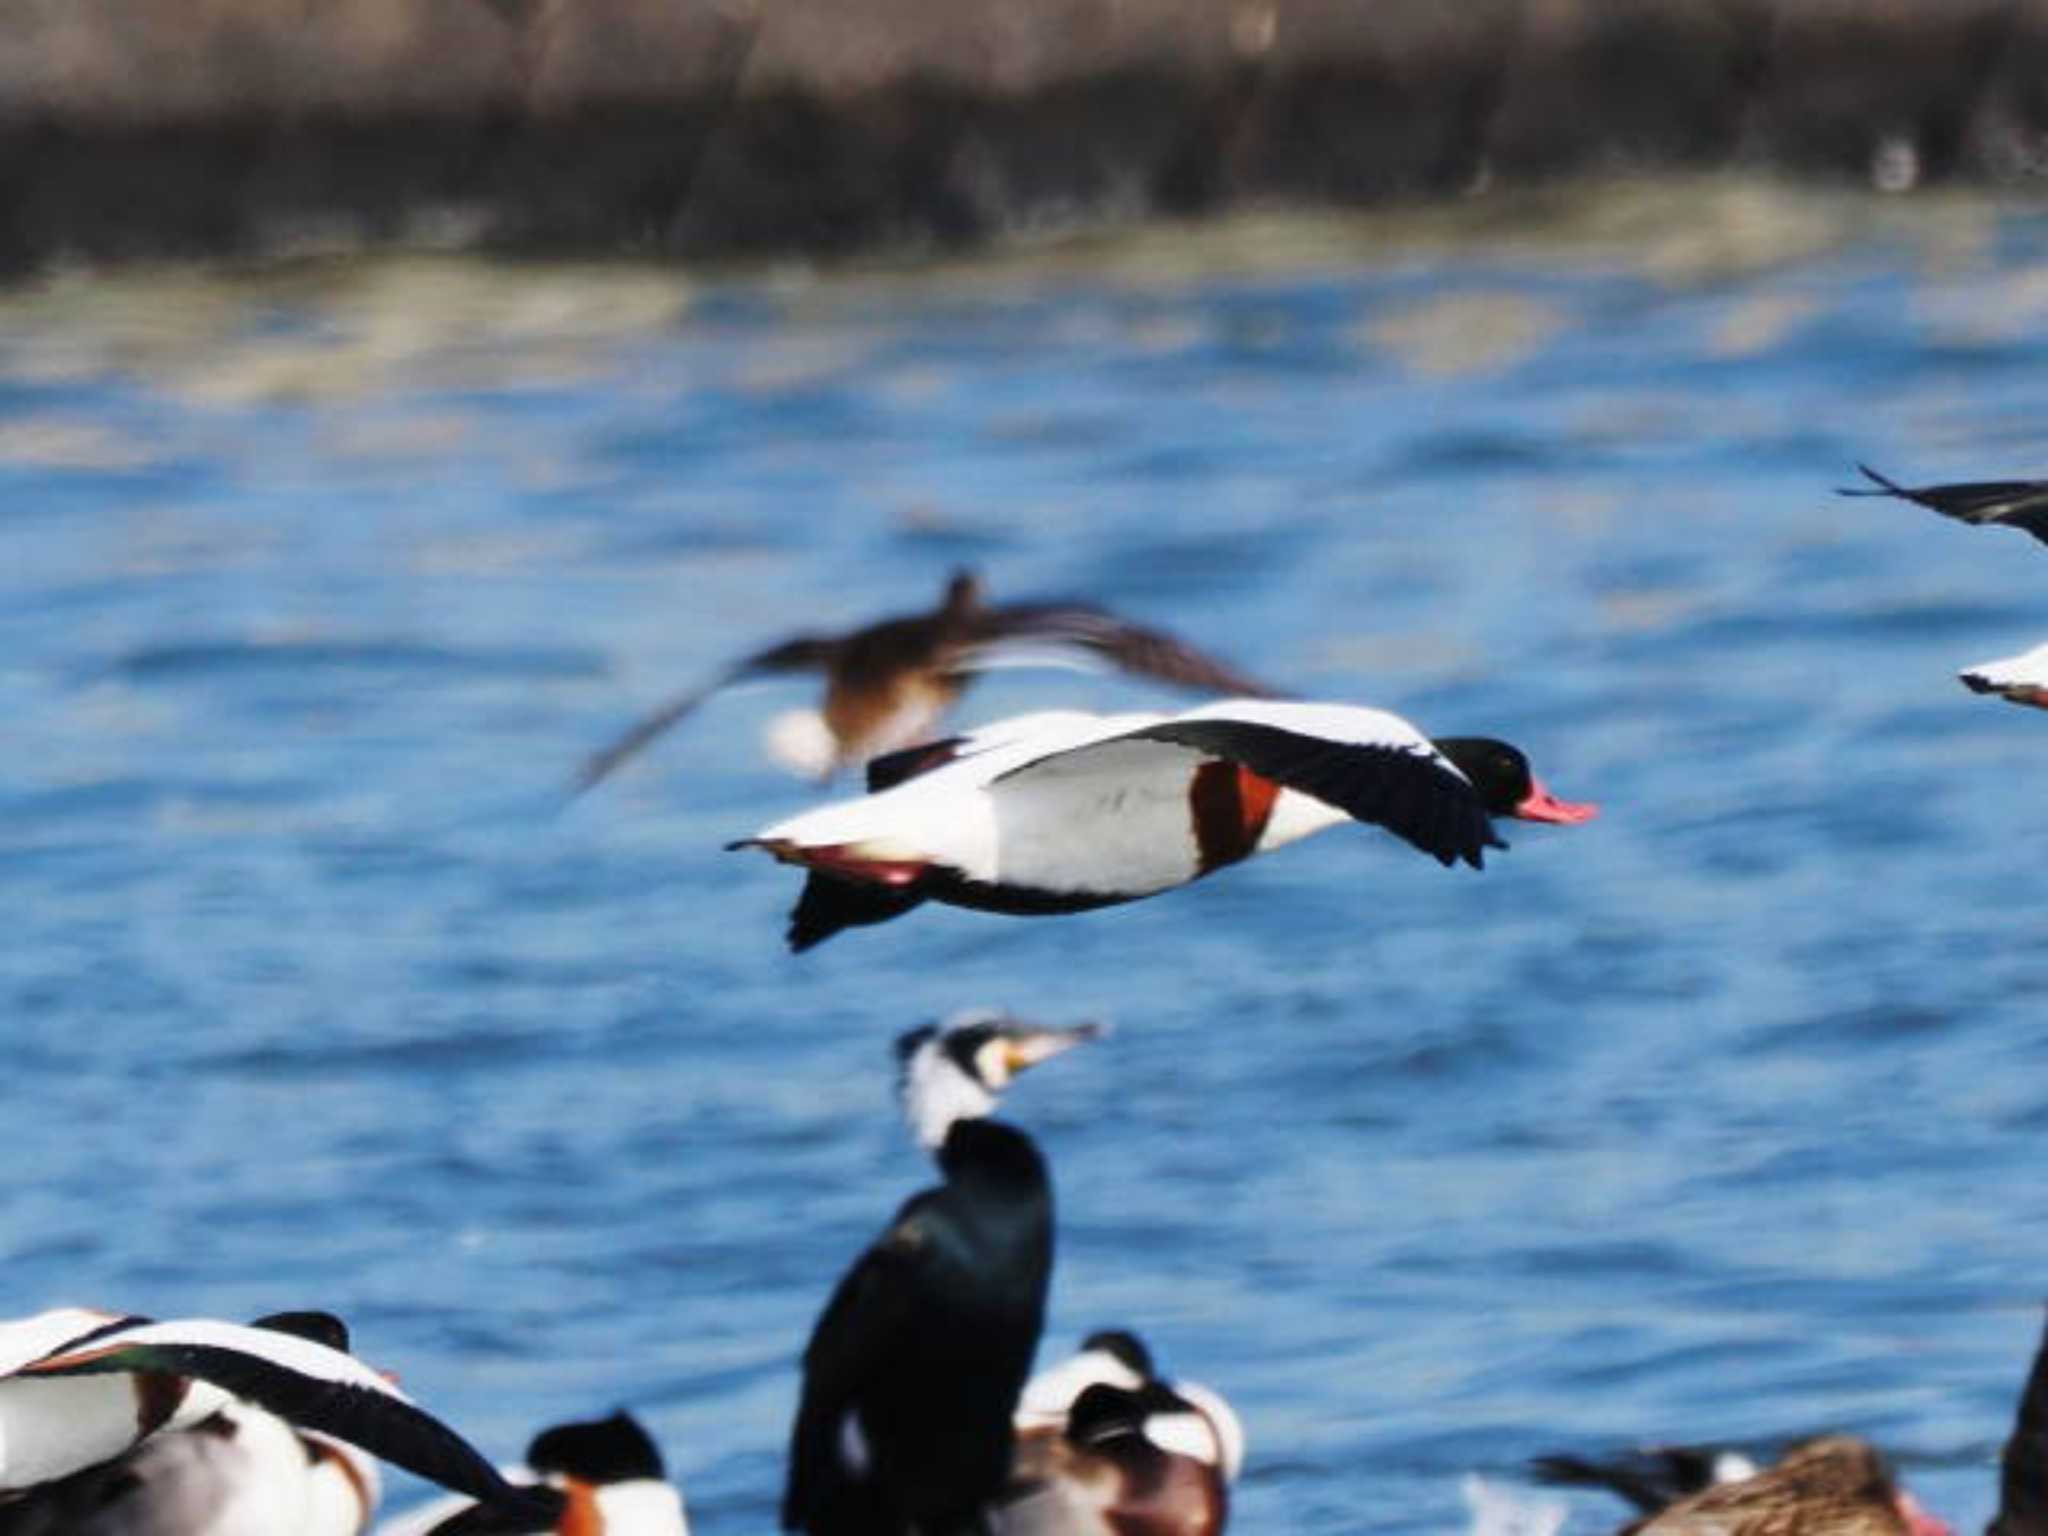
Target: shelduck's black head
[612, 1450]
[1153, 1413]
[1507, 785]
[1124, 1347]
[319, 1327]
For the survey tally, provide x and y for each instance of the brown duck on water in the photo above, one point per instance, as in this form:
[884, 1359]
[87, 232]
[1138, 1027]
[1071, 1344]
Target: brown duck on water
[888, 683]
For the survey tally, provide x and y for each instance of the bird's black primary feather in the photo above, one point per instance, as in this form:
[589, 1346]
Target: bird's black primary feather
[2017, 503]
[1405, 790]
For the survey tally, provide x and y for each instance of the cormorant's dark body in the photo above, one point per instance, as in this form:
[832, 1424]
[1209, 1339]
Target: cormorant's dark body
[926, 1344]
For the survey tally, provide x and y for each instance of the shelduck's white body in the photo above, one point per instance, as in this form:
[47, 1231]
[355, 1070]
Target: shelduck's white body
[642, 1507]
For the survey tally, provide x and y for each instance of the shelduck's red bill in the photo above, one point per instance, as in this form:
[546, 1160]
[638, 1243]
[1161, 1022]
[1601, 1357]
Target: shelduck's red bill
[1541, 805]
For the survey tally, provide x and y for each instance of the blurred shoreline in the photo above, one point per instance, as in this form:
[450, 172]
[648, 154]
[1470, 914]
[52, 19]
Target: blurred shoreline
[715, 130]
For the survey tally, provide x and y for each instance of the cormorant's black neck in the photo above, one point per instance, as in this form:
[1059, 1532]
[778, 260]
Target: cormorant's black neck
[991, 1154]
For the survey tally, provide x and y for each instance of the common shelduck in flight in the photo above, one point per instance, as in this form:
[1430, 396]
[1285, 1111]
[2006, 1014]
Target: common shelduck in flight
[79, 1388]
[1106, 1446]
[888, 684]
[1062, 812]
[914, 1369]
[2022, 504]
[1835, 1485]
[603, 1477]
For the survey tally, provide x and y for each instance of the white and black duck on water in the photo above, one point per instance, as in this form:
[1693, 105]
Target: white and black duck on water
[914, 1369]
[889, 683]
[1066, 811]
[1107, 1447]
[79, 1389]
[241, 1471]
[601, 1477]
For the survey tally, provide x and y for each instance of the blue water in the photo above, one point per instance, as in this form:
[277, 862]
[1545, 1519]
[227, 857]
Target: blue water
[1715, 1118]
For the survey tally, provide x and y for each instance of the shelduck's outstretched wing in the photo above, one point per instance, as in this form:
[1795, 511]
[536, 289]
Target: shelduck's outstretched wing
[1083, 636]
[304, 1382]
[1373, 766]
[2015, 503]
[2023, 1466]
[804, 653]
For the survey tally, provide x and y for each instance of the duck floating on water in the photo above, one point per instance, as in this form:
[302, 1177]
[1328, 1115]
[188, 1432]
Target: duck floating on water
[1106, 1447]
[1066, 811]
[915, 1367]
[239, 1472]
[601, 1477]
[81, 1388]
[888, 684]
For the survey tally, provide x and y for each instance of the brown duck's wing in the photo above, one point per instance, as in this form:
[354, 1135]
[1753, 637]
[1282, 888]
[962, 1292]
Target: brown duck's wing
[2023, 1467]
[806, 653]
[1077, 635]
[1649, 1477]
[2016, 503]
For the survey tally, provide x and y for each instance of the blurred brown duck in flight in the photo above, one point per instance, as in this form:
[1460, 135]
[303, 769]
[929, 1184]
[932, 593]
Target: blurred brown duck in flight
[888, 683]
[1835, 1485]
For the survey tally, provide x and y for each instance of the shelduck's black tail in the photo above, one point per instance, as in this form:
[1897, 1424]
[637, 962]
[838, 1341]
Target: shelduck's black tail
[829, 904]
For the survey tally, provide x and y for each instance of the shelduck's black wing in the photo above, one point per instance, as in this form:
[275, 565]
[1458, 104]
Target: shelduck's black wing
[805, 653]
[855, 1342]
[828, 904]
[303, 1382]
[2023, 1467]
[1371, 765]
[1018, 633]
[2015, 503]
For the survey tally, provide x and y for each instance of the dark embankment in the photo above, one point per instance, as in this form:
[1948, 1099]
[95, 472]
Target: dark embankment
[695, 128]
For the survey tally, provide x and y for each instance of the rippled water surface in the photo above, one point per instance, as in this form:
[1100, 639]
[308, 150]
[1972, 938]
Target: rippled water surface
[1721, 1116]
